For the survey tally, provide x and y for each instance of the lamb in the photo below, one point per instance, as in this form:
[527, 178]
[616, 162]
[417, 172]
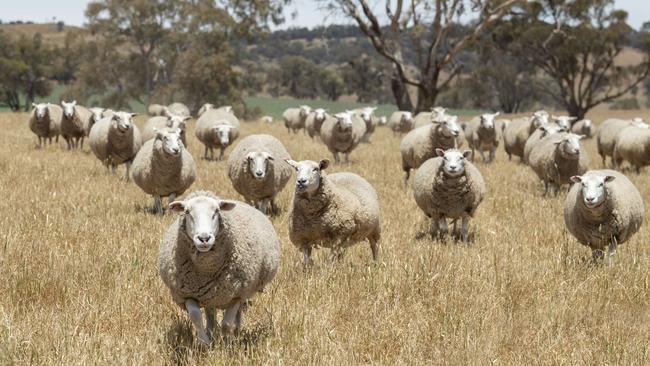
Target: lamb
[484, 133]
[425, 118]
[179, 109]
[632, 144]
[72, 124]
[342, 134]
[156, 110]
[294, 118]
[557, 158]
[258, 171]
[449, 186]
[607, 132]
[420, 144]
[401, 122]
[604, 209]
[333, 211]
[314, 121]
[116, 140]
[517, 132]
[163, 167]
[170, 120]
[44, 122]
[584, 127]
[366, 114]
[217, 128]
[540, 133]
[217, 255]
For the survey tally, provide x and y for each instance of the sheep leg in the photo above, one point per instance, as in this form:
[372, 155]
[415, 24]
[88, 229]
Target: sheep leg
[113, 168]
[306, 256]
[480, 151]
[128, 170]
[493, 153]
[196, 317]
[223, 149]
[228, 323]
[205, 154]
[407, 175]
[374, 244]
[443, 229]
[611, 250]
[336, 157]
[347, 158]
[264, 204]
[39, 143]
[82, 143]
[545, 188]
[465, 229]
[211, 153]
[67, 141]
[157, 205]
[239, 321]
[209, 320]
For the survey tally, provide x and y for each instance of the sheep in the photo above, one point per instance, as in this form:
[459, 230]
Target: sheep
[540, 133]
[448, 186]
[168, 120]
[632, 144]
[584, 127]
[484, 133]
[73, 120]
[607, 132]
[258, 171]
[342, 134]
[266, 119]
[205, 107]
[400, 122]
[425, 118]
[156, 110]
[383, 121]
[163, 167]
[366, 114]
[116, 140]
[604, 209]
[314, 121]
[96, 114]
[179, 109]
[294, 118]
[420, 144]
[44, 122]
[517, 132]
[556, 158]
[217, 255]
[217, 128]
[333, 211]
[564, 122]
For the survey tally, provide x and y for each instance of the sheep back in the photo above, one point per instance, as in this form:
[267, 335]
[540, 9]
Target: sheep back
[344, 142]
[421, 143]
[75, 126]
[549, 165]
[606, 135]
[213, 117]
[48, 126]
[158, 123]
[581, 128]
[179, 109]
[632, 144]
[477, 136]
[394, 122]
[112, 147]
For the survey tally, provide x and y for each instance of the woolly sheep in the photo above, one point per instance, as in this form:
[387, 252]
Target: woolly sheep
[163, 167]
[205, 107]
[632, 144]
[607, 132]
[420, 144]
[342, 134]
[217, 255]
[383, 121]
[448, 186]
[217, 128]
[540, 133]
[556, 158]
[258, 171]
[584, 127]
[484, 133]
[96, 114]
[168, 120]
[314, 121]
[400, 122]
[333, 211]
[179, 109]
[367, 115]
[517, 132]
[602, 210]
[564, 122]
[156, 110]
[44, 122]
[425, 118]
[266, 119]
[116, 140]
[73, 120]
[294, 118]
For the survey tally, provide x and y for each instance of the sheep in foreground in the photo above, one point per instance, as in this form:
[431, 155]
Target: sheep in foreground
[557, 158]
[584, 127]
[420, 144]
[448, 187]
[314, 121]
[537, 136]
[607, 132]
[602, 210]
[169, 120]
[217, 128]
[333, 211]
[294, 118]
[217, 255]
[116, 140]
[632, 144]
[484, 133]
[179, 109]
[258, 171]
[342, 134]
[518, 131]
[368, 117]
[401, 122]
[156, 110]
[163, 167]
[437, 114]
[73, 121]
[44, 122]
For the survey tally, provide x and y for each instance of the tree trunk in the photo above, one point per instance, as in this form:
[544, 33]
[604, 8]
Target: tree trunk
[426, 99]
[402, 97]
[576, 110]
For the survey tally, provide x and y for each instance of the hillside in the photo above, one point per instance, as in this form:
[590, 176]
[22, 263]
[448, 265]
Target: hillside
[49, 31]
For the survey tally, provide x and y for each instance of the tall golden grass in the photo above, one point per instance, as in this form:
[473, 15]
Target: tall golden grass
[79, 283]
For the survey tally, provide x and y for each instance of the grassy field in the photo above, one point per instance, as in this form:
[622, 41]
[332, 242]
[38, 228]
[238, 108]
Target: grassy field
[80, 284]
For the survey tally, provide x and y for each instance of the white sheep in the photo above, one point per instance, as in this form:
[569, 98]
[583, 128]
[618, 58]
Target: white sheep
[115, 140]
[602, 210]
[448, 187]
[314, 121]
[584, 127]
[294, 118]
[217, 255]
[540, 133]
[368, 117]
[73, 121]
[401, 122]
[565, 122]
[179, 109]
[156, 110]
[217, 128]
[205, 107]
[333, 211]
[44, 122]
[383, 121]
[163, 167]
[266, 119]
[484, 133]
[437, 114]
[169, 120]
[258, 171]
[607, 132]
[342, 134]
[632, 144]
[519, 130]
[96, 114]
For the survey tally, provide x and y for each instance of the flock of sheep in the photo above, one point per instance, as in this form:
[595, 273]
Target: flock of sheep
[219, 253]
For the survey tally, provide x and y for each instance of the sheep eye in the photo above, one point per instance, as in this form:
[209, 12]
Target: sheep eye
[600, 185]
[315, 170]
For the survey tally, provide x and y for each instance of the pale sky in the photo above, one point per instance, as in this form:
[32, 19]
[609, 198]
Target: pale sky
[308, 14]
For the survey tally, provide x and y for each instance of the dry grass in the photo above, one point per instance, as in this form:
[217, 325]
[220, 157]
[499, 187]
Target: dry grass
[80, 285]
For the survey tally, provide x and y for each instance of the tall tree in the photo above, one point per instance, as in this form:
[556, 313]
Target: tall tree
[431, 27]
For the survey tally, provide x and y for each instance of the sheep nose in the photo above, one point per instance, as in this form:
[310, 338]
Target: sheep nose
[204, 238]
[302, 181]
[590, 199]
[259, 173]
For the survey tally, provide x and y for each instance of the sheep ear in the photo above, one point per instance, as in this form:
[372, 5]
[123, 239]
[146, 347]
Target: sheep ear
[158, 133]
[609, 178]
[323, 164]
[226, 205]
[33, 104]
[440, 152]
[134, 114]
[186, 118]
[270, 157]
[580, 137]
[74, 102]
[576, 179]
[467, 154]
[177, 206]
[497, 113]
[292, 163]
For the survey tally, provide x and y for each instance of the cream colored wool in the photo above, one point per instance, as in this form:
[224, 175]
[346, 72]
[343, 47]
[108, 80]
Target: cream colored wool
[339, 141]
[398, 123]
[48, 126]
[179, 109]
[420, 144]
[113, 147]
[632, 144]
[552, 165]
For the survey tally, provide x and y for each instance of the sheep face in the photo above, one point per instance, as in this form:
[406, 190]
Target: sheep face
[564, 122]
[639, 122]
[175, 121]
[449, 126]
[592, 188]
[97, 114]
[570, 146]
[550, 129]
[223, 134]
[366, 113]
[171, 141]
[487, 120]
[41, 110]
[453, 161]
[122, 121]
[201, 219]
[257, 163]
[540, 118]
[304, 111]
[308, 174]
[227, 108]
[407, 117]
[344, 121]
[68, 108]
[319, 114]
